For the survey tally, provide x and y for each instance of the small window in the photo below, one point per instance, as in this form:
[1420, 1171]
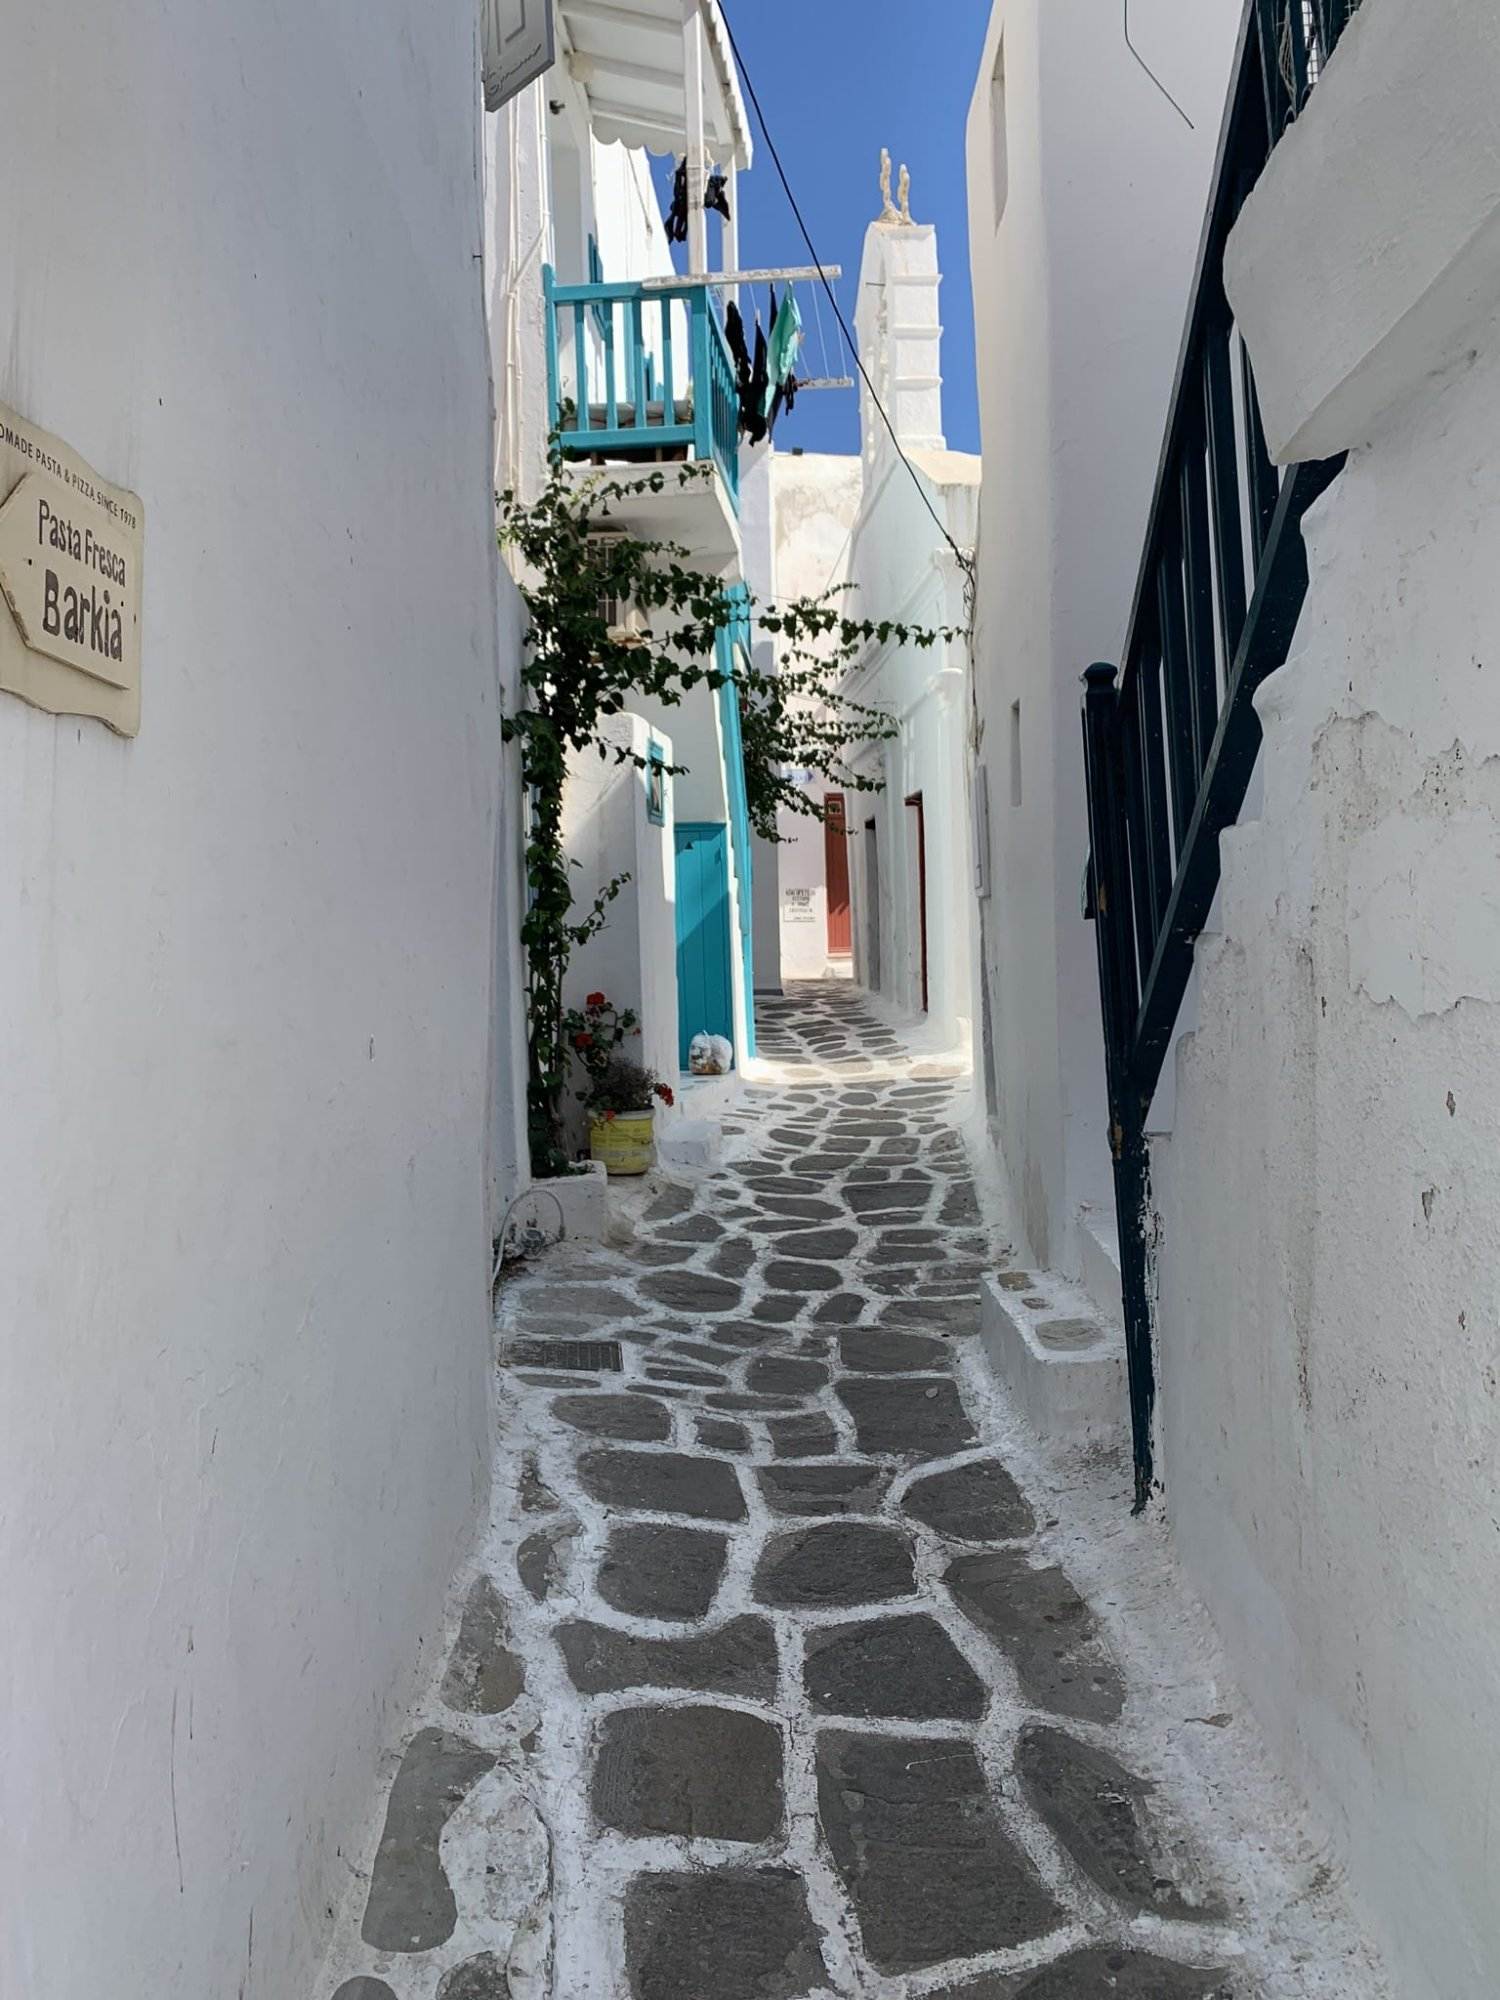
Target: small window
[1015, 753]
[999, 145]
[656, 785]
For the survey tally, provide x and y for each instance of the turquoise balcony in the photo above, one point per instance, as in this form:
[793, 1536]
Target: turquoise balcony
[641, 377]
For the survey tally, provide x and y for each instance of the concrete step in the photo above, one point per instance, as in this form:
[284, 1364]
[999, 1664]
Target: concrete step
[1060, 1361]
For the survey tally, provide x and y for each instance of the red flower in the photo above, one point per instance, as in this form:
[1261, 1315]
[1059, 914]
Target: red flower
[664, 1092]
[583, 1041]
[609, 1117]
[596, 1000]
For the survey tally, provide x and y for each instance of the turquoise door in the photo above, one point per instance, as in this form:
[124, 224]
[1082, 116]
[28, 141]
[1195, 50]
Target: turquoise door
[705, 990]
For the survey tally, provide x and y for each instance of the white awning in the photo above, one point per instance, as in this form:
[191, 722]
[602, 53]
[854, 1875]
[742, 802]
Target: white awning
[629, 57]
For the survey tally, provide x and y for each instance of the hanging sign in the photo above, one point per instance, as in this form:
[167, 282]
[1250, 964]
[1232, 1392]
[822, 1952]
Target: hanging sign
[518, 46]
[71, 548]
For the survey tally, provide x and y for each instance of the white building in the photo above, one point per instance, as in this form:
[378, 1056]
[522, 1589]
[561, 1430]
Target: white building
[252, 1141]
[879, 891]
[634, 375]
[910, 846]
[1086, 197]
[1329, 1343]
[1322, 1305]
[814, 500]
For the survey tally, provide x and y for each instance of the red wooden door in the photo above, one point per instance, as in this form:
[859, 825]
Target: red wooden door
[836, 874]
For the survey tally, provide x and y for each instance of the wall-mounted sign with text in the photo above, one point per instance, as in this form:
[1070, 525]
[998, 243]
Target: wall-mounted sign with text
[71, 547]
[518, 45]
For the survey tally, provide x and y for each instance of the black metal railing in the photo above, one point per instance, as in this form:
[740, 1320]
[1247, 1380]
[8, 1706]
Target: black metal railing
[1170, 746]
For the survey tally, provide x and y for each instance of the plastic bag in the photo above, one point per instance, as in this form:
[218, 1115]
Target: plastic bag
[710, 1055]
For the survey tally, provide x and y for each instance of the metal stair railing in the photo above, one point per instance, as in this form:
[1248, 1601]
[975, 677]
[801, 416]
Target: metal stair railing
[1169, 746]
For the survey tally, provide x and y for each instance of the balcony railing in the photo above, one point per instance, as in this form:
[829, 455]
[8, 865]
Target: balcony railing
[1170, 749]
[641, 377]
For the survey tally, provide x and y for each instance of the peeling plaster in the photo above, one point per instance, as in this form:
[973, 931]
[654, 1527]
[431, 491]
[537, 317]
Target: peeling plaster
[1329, 1315]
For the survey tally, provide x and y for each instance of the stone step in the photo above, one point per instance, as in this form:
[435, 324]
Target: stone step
[1063, 1364]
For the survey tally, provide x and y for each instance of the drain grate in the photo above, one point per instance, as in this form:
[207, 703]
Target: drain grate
[588, 1356]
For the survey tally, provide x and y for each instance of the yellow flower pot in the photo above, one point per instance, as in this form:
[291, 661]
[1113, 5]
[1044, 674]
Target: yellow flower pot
[626, 1143]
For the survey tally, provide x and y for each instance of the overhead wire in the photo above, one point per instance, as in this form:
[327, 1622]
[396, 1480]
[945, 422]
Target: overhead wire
[965, 561]
[1152, 73]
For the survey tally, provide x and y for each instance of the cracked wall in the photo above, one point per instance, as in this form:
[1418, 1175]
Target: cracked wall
[1330, 1264]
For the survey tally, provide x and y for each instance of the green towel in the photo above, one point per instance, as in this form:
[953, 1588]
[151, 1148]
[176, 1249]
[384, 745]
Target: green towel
[781, 358]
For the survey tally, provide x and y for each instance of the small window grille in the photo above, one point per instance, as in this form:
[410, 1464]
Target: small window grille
[656, 785]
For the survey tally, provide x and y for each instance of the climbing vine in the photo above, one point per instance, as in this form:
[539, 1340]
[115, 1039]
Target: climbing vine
[583, 664]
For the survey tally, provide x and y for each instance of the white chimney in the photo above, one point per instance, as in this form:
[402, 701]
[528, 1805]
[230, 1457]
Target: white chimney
[899, 330]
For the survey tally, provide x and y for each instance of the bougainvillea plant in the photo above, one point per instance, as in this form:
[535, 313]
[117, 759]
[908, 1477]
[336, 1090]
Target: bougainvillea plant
[595, 1033]
[572, 563]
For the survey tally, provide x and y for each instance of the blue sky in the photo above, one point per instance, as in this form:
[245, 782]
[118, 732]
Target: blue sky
[837, 80]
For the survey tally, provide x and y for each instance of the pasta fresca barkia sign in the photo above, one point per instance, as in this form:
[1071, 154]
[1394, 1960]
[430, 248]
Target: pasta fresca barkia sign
[518, 46]
[71, 549]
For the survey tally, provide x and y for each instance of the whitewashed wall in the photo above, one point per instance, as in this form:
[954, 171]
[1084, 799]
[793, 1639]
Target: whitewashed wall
[608, 832]
[813, 504]
[803, 914]
[758, 563]
[1086, 197]
[1330, 1268]
[903, 569]
[549, 185]
[245, 975]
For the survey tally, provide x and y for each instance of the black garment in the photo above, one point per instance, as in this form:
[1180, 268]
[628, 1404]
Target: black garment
[677, 215]
[716, 195]
[734, 334]
[784, 399]
[753, 410]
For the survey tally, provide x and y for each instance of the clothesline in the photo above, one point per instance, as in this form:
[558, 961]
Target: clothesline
[772, 275]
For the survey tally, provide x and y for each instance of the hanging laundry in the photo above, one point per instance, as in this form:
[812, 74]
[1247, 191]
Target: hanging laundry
[734, 335]
[677, 215]
[784, 397]
[716, 194]
[786, 338]
[753, 408]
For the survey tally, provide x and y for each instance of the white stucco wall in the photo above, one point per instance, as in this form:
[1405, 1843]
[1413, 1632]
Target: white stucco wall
[245, 976]
[609, 833]
[814, 501]
[549, 186]
[758, 565]
[902, 569]
[803, 915]
[1329, 1313]
[1081, 283]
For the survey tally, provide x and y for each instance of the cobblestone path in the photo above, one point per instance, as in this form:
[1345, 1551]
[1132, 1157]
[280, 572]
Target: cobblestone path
[761, 1692]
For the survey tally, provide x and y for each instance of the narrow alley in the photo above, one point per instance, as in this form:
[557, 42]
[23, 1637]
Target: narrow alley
[750, 775]
[771, 1685]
